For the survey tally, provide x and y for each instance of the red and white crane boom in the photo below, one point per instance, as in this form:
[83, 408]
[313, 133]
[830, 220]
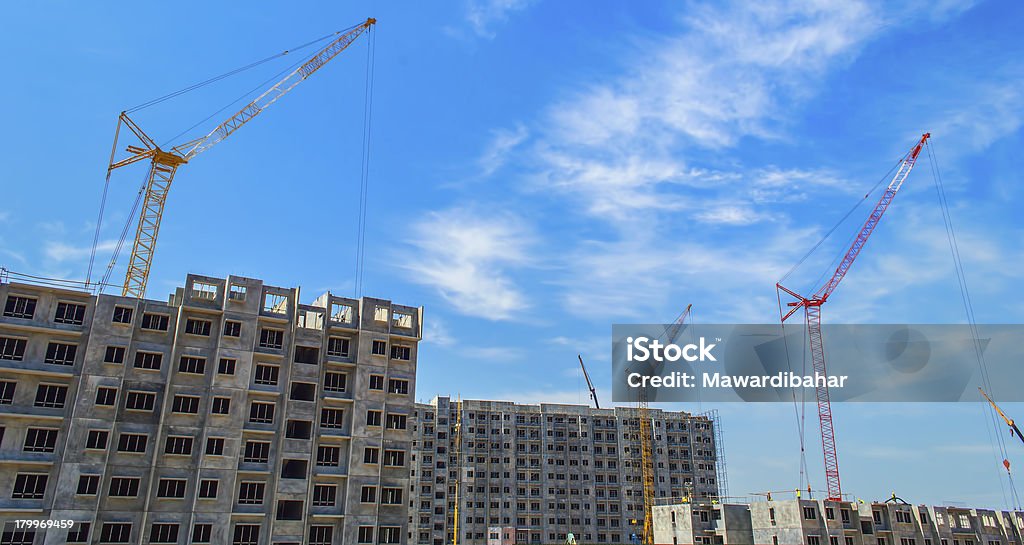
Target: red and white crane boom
[812, 315]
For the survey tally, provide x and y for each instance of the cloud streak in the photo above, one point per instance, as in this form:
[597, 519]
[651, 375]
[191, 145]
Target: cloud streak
[628, 144]
[467, 255]
[483, 15]
[497, 152]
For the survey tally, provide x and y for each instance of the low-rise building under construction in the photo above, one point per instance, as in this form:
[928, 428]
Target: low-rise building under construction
[821, 522]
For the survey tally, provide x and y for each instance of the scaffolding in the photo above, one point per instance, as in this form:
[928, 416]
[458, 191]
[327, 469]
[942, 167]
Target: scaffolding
[720, 467]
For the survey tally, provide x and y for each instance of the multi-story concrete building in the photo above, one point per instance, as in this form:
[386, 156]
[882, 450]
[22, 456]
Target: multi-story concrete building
[818, 522]
[230, 413]
[539, 472]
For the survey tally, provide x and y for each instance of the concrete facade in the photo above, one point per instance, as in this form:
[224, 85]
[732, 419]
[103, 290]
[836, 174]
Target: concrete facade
[703, 523]
[806, 521]
[819, 522]
[230, 413]
[546, 470]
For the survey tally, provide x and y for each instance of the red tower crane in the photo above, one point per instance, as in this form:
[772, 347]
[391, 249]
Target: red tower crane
[812, 315]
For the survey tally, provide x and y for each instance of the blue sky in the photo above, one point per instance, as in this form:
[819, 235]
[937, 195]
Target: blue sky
[540, 170]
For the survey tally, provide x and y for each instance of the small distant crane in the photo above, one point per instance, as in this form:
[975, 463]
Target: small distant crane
[672, 331]
[1014, 430]
[590, 385]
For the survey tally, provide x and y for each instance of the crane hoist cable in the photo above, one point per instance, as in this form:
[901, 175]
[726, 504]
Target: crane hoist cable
[979, 352]
[233, 72]
[364, 160]
[799, 412]
[842, 220]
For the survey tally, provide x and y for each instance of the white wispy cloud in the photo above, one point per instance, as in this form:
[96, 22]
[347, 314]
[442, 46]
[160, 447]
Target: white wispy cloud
[613, 188]
[55, 227]
[60, 252]
[883, 452]
[645, 276]
[482, 15]
[970, 450]
[733, 72]
[435, 331]
[12, 254]
[466, 255]
[634, 151]
[648, 157]
[737, 214]
[973, 120]
[500, 354]
[502, 142]
[772, 184]
[593, 348]
[917, 255]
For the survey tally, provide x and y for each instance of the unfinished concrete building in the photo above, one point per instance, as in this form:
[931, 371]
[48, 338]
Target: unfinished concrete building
[533, 473]
[806, 521]
[703, 523]
[895, 523]
[230, 413]
[819, 522]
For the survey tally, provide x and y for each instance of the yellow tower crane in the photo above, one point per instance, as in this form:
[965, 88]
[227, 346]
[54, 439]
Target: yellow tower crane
[457, 447]
[646, 469]
[164, 163]
[646, 446]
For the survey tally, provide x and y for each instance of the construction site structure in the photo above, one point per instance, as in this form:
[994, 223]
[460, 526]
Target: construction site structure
[164, 163]
[457, 467]
[538, 472]
[646, 467]
[646, 526]
[228, 413]
[812, 316]
[721, 468]
[590, 385]
[825, 522]
[1014, 430]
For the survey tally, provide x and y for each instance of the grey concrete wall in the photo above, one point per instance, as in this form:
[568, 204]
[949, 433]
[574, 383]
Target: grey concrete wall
[711, 523]
[809, 522]
[307, 326]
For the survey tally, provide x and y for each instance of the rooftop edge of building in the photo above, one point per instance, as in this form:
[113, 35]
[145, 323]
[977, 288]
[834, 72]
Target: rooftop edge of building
[233, 294]
[492, 404]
